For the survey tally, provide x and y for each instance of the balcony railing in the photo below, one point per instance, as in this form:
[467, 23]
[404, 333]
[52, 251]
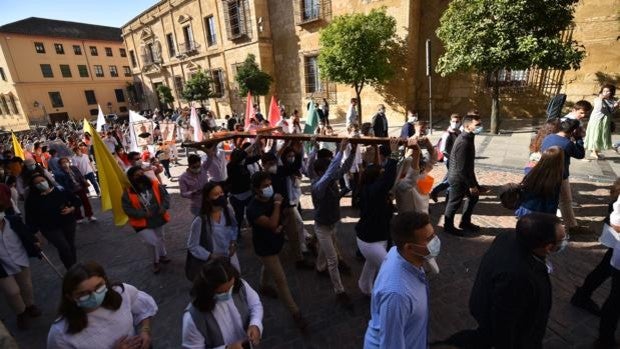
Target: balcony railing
[148, 59]
[188, 48]
[310, 13]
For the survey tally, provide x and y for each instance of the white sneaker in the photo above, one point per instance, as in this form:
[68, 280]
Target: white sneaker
[92, 219]
[80, 221]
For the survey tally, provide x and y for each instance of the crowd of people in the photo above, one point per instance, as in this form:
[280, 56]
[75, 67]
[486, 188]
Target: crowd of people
[257, 183]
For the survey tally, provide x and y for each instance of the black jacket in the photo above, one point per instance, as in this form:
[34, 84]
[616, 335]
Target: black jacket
[379, 125]
[511, 297]
[462, 159]
[26, 236]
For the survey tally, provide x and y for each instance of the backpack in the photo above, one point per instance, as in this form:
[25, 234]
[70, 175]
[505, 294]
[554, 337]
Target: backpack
[554, 108]
[510, 195]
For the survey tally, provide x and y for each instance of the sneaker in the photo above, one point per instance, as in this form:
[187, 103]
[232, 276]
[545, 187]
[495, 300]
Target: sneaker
[268, 292]
[469, 226]
[585, 303]
[453, 231]
[92, 219]
[33, 311]
[304, 264]
[23, 322]
[80, 221]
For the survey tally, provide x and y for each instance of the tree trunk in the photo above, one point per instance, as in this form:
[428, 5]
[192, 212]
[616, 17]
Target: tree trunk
[358, 92]
[495, 117]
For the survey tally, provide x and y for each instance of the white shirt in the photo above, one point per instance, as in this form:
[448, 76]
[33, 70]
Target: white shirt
[13, 256]
[228, 319]
[217, 169]
[82, 162]
[351, 115]
[105, 326]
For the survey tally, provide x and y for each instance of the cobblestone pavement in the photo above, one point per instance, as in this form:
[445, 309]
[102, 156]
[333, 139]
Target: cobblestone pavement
[126, 259]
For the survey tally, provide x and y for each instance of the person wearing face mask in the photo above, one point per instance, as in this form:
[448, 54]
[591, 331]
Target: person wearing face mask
[29, 169]
[51, 211]
[95, 313]
[71, 179]
[400, 297]
[146, 203]
[379, 122]
[192, 181]
[408, 128]
[214, 164]
[136, 160]
[511, 297]
[445, 147]
[17, 244]
[264, 212]
[462, 178]
[225, 312]
[212, 234]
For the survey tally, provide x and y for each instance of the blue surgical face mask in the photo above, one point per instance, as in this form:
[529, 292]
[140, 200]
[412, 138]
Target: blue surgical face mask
[267, 192]
[434, 246]
[92, 300]
[223, 297]
[478, 130]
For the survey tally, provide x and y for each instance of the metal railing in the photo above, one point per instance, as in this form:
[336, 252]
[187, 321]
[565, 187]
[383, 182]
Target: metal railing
[188, 48]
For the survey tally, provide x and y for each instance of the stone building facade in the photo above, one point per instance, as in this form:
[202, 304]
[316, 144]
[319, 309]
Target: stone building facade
[55, 70]
[284, 36]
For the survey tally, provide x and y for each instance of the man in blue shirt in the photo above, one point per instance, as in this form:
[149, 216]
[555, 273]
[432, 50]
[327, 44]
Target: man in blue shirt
[570, 139]
[400, 298]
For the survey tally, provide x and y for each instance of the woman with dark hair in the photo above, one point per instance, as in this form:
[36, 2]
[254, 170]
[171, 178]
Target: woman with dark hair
[225, 312]
[51, 211]
[213, 233]
[598, 133]
[550, 127]
[95, 313]
[376, 211]
[541, 186]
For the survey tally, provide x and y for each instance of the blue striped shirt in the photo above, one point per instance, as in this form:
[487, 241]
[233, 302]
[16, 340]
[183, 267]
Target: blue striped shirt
[399, 306]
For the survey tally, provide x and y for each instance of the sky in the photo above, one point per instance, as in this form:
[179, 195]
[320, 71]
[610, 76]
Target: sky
[114, 13]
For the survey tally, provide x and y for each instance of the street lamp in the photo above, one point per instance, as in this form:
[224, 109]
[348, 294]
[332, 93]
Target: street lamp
[36, 105]
[110, 107]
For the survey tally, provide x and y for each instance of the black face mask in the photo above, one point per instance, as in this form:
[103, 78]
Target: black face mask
[221, 201]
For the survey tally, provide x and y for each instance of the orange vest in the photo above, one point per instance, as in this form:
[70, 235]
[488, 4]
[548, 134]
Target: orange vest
[140, 223]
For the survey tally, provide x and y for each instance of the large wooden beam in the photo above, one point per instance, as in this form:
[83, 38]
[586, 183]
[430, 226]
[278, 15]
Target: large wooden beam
[224, 136]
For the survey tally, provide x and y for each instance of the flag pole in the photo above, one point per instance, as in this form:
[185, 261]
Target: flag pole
[44, 257]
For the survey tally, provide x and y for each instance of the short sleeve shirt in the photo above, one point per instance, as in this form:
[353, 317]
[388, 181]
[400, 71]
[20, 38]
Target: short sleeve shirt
[266, 242]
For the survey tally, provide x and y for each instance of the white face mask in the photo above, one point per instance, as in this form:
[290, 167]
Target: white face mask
[454, 125]
[412, 119]
[267, 192]
[434, 246]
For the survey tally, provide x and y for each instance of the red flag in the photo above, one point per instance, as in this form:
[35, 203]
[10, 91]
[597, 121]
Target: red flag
[274, 112]
[249, 110]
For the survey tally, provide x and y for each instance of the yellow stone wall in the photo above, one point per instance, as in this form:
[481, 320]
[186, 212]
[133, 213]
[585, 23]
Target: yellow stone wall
[26, 83]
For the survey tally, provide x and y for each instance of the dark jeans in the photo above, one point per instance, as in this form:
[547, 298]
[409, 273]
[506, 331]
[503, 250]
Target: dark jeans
[610, 312]
[444, 184]
[91, 178]
[458, 191]
[63, 239]
[166, 165]
[597, 276]
[239, 208]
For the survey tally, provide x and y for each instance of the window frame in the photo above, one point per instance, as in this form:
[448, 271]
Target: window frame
[127, 71]
[170, 42]
[39, 47]
[99, 73]
[56, 103]
[59, 48]
[68, 71]
[93, 51]
[87, 95]
[108, 52]
[132, 59]
[3, 74]
[317, 84]
[122, 52]
[217, 85]
[83, 70]
[211, 32]
[77, 50]
[51, 70]
[113, 71]
[122, 94]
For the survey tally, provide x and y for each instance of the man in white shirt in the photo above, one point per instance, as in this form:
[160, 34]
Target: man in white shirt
[82, 162]
[352, 117]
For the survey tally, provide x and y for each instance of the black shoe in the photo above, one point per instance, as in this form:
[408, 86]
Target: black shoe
[33, 311]
[304, 264]
[344, 268]
[585, 303]
[452, 230]
[469, 226]
[344, 300]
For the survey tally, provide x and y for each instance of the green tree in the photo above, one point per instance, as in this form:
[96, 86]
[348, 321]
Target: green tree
[251, 78]
[486, 36]
[165, 95]
[198, 88]
[356, 50]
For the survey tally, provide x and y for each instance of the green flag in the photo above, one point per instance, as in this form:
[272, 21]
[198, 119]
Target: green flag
[312, 119]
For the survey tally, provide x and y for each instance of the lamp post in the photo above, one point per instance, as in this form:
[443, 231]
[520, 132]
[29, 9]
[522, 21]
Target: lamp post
[45, 116]
[110, 107]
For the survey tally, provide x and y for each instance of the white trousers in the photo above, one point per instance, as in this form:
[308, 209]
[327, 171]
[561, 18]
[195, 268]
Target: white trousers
[155, 238]
[326, 234]
[375, 253]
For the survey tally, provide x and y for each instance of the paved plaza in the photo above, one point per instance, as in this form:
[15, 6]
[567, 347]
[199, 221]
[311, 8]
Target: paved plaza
[126, 259]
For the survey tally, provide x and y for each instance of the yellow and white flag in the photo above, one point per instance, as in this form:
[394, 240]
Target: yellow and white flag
[112, 179]
[17, 148]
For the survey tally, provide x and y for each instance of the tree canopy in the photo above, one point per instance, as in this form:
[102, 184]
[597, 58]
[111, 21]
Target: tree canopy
[198, 88]
[165, 94]
[355, 49]
[486, 36]
[251, 78]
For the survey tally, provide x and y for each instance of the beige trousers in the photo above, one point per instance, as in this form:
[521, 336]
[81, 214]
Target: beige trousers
[18, 290]
[566, 208]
